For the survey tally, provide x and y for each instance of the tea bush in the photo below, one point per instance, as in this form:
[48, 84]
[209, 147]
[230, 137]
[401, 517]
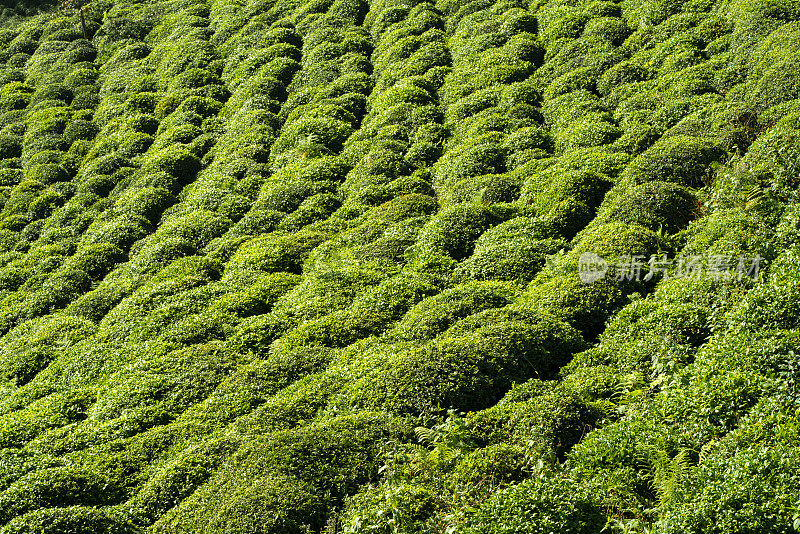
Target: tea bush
[679, 159]
[466, 370]
[435, 314]
[277, 252]
[514, 250]
[72, 518]
[193, 373]
[31, 346]
[453, 231]
[297, 496]
[653, 205]
[710, 505]
[63, 486]
[247, 246]
[558, 503]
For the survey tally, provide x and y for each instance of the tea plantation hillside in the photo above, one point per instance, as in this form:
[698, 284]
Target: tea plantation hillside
[296, 266]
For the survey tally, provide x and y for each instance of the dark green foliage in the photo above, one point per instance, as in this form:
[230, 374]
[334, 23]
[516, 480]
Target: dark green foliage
[453, 231]
[10, 147]
[246, 246]
[77, 519]
[56, 486]
[468, 368]
[654, 205]
[679, 159]
[434, 315]
[48, 173]
[514, 250]
[540, 505]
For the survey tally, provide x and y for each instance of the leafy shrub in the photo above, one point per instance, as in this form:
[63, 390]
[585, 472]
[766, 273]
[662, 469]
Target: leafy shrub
[540, 505]
[315, 208]
[48, 173]
[51, 92]
[753, 476]
[194, 373]
[453, 230]
[654, 205]
[277, 252]
[22, 45]
[285, 197]
[121, 231]
[272, 504]
[588, 132]
[435, 314]
[779, 83]
[367, 315]
[256, 222]
[730, 231]
[654, 338]
[175, 162]
[312, 468]
[769, 162]
[482, 155]
[79, 129]
[585, 306]
[511, 63]
[259, 297]
[546, 190]
[57, 486]
[78, 519]
[530, 137]
[51, 411]
[487, 189]
[10, 147]
[30, 347]
[679, 159]
[624, 72]
[183, 134]
[204, 107]
[769, 305]
[319, 133]
[546, 416]
[469, 368]
[271, 217]
[21, 197]
[514, 251]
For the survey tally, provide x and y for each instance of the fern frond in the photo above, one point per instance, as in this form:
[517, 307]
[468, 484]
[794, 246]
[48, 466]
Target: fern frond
[753, 197]
[668, 474]
[705, 451]
[444, 454]
[426, 436]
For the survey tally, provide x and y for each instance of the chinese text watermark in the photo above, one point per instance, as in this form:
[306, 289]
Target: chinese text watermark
[592, 267]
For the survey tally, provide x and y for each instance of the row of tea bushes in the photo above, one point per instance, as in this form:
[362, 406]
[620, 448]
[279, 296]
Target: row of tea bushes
[295, 231]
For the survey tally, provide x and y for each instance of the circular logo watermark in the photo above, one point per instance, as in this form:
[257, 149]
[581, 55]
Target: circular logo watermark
[591, 267]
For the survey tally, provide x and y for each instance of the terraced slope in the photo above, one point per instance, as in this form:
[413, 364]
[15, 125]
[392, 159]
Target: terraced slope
[304, 266]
